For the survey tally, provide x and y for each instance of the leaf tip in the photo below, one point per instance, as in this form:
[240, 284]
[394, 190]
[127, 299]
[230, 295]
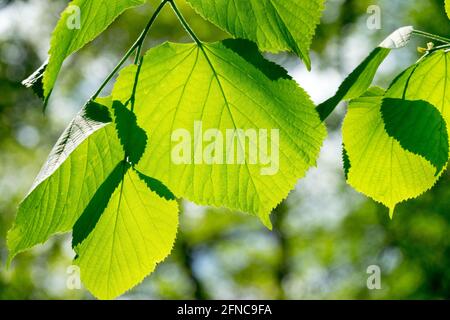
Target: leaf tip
[391, 212]
[266, 221]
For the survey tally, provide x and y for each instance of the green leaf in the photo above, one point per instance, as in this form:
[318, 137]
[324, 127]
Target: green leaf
[379, 166]
[136, 230]
[68, 37]
[427, 80]
[419, 127]
[181, 84]
[362, 77]
[83, 157]
[275, 25]
[124, 222]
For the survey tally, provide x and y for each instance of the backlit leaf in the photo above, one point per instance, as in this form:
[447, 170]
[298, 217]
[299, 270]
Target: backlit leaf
[427, 80]
[180, 85]
[81, 22]
[275, 25]
[378, 165]
[135, 231]
[419, 127]
[83, 157]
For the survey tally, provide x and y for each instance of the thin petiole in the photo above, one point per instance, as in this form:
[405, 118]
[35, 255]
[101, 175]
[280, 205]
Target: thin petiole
[141, 39]
[445, 46]
[136, 79]
[111, 75]
[431, 36]
[184, 23]
[136, 46]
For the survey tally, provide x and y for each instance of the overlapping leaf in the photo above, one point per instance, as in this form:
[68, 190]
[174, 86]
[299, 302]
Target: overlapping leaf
[71, 35]
[376, 163]
[361, 78]
[135, 231]
[419, 127]
[219, 85]
[427, 80]
[275, 25]
[123, 222]
[81, 160]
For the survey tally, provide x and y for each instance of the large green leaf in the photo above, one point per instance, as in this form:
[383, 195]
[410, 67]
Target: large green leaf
[95, 17]
[135, 231]
[83, 157]
[222, 87]
[377, 165]
[361, 78]
[275, 25]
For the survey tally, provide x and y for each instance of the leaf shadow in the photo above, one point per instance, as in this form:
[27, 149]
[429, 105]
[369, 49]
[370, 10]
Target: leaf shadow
[249, 51]
[94, 210]
[419, 127]
[132, 137]
[156, 186]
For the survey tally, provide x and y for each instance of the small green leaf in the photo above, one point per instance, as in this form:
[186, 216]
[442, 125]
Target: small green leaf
[419, 127]
[275, 25]
[81, 22]
[135, 232]
[361, 78]
[380, 167]
[183, 85]
[356, 83]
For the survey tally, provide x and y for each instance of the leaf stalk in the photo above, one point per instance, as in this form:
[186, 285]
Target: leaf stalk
[431, 36]
[136, 46]
[184, 23]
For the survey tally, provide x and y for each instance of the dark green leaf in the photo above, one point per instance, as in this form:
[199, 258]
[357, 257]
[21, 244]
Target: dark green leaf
[419, 127]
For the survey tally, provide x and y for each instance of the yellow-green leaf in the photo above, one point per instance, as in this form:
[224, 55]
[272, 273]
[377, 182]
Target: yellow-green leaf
[427, 80]
[377, 164]
[135, 231]
[275, 25]
[81, 22]
[225, 86]
[83, 157]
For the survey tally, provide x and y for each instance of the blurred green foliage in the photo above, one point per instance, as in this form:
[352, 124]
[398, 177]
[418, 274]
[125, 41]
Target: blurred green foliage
[325, 235]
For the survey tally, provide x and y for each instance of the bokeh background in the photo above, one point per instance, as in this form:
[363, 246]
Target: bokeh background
[325, 236]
